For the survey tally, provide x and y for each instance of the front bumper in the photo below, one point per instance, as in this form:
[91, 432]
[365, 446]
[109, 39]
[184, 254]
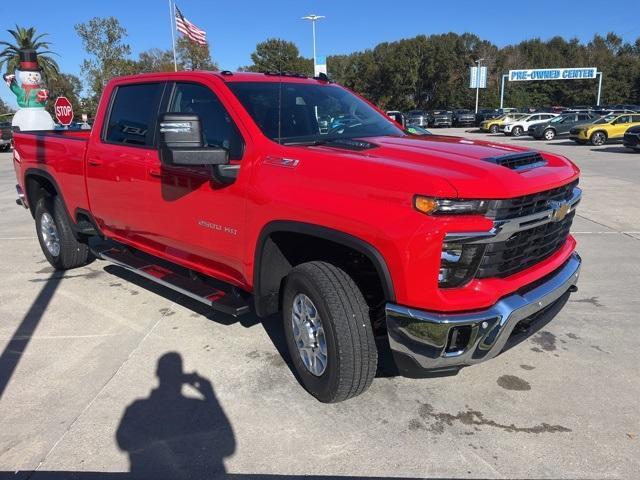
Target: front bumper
[631, 140]
[421, 341]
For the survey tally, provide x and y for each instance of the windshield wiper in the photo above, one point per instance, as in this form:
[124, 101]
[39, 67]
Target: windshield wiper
[347, 143]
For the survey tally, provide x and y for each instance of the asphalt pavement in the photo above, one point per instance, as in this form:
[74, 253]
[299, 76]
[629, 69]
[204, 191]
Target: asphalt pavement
[104, 375]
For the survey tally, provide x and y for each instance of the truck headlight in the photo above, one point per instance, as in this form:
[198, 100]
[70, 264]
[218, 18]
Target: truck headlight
[443, 206]
[458, 263]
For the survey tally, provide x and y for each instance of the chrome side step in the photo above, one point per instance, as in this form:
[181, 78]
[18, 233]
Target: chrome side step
[228, 302]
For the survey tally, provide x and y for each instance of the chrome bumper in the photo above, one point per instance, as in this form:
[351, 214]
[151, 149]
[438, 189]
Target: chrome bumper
[425, 337]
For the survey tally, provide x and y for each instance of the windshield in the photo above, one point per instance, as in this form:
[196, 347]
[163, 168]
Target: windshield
[310, 113]
[607, 119]
[558, 119]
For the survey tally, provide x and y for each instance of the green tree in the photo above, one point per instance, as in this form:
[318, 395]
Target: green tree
[193, 56]
[103, 39]
[27, 38]
[277, 55]
[155, 60]
[4, 108]
[66, 85]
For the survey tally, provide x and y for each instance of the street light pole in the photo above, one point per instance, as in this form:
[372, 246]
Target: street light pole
[313, 19]
[479, 62]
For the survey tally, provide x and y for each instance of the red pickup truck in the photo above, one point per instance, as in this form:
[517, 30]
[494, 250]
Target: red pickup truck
[278, 193]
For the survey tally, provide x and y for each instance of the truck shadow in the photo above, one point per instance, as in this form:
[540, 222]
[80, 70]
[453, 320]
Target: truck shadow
[272, 325]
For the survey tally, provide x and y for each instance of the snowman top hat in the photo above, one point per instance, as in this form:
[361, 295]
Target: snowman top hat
[28, 60]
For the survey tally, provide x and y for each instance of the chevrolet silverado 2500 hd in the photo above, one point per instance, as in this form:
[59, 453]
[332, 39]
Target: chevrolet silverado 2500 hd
[223, 187]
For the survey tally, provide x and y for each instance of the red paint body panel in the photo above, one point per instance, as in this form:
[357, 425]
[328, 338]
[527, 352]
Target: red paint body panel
[175, 213]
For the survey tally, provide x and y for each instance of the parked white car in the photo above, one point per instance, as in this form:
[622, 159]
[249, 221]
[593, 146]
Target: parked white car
[520, 126]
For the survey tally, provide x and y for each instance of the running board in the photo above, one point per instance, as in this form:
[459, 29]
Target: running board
[228, 302]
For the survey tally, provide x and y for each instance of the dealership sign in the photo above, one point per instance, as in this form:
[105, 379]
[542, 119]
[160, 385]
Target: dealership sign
[553, 74]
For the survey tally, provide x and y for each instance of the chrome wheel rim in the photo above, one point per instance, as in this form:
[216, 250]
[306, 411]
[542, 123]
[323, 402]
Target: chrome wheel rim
[549, 135]
[598, 139]
[308, 335]
[49, 233]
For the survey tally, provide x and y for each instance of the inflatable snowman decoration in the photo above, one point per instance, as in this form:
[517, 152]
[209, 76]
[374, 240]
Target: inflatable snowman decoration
[27, 85]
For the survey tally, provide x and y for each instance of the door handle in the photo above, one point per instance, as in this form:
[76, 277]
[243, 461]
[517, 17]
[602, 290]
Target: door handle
[94, 161]
[155, 172]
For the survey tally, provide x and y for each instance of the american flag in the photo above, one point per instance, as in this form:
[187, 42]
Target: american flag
[189, 29]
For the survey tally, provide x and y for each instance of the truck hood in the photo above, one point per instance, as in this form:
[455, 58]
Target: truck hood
[419, 162]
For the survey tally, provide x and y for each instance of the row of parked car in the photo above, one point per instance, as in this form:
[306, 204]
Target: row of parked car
[458, 117]
[583, 127]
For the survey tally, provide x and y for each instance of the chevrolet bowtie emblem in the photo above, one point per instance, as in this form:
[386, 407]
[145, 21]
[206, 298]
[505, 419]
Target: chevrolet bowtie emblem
[559, 210]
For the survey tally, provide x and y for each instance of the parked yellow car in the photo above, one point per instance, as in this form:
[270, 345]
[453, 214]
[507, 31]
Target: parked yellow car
[607, 128]
[496, 124]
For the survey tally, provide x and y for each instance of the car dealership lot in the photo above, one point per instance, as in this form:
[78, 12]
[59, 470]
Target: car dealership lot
[78, 349]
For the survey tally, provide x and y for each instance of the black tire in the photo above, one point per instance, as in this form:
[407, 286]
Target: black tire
[352, 356]
[72, 253]
[549, 134]
[494, 129]
[516, 131]
[598, 139]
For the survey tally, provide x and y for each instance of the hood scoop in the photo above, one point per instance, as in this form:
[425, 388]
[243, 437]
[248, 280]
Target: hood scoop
[518, 161]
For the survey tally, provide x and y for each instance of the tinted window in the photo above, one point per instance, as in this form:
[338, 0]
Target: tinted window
[217, 127]
[133, 114]
[635, 118]
[296, 112]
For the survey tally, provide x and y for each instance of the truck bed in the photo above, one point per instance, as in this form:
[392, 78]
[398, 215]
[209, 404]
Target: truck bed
[60, 153]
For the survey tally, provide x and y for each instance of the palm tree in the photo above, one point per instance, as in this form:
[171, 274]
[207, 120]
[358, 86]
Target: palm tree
[27, 38]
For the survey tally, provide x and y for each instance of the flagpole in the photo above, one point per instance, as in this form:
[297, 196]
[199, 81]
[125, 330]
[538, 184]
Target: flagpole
[172, 18]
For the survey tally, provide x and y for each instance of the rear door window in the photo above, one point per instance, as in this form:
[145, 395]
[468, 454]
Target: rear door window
[133, 114]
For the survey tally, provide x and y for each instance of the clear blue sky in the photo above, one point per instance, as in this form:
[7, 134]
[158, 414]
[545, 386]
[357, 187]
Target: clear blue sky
[234, 27]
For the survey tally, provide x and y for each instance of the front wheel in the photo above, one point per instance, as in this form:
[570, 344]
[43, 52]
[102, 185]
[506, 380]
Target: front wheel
[494, 129]
[549, 134]
[598, 139]
[58, 243]
[328, 332]
[517, 131]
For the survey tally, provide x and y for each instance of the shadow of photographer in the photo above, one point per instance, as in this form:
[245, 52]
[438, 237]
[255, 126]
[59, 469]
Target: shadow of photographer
[170, 435]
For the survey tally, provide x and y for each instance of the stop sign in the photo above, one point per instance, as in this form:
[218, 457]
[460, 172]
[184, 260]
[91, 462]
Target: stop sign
[64, 111]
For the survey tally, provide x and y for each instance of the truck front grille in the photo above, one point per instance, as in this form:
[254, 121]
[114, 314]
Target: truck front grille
[529, 204]
[524, 249]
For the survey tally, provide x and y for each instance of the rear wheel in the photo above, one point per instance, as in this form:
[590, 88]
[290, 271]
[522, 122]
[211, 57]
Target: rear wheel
[598, 139]
[494, 129]
[58, 243]
[549, 134]
[328, 332]
[516, 131]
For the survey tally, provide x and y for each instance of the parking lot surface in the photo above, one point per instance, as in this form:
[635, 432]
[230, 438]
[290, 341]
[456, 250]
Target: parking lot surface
[96, 364]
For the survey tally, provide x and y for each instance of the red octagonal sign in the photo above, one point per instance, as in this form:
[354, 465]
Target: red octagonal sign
[64, 111]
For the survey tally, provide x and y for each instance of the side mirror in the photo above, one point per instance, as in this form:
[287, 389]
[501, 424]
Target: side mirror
[399, 118]
[181, 144]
